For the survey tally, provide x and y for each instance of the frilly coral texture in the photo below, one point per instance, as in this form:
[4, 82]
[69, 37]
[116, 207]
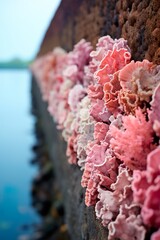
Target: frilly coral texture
[108, 108]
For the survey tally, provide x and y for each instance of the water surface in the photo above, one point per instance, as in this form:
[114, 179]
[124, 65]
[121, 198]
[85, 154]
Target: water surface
[16, 140]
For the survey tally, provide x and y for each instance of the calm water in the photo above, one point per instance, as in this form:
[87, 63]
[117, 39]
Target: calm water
[16, 140]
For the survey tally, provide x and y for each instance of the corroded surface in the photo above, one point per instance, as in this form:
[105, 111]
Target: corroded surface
[138, 21]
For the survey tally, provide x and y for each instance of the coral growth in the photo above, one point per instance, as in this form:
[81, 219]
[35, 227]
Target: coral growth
[108, 110]
[132, 143]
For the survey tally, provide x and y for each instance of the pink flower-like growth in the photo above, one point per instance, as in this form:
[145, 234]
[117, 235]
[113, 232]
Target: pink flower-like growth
[104, 45]
[81, 131]
[111, 63]
[100, 170]
[111, 91]
[95, 91]
[48, 70]
[132, 143]
[138, 81]
[77, 61]
[99, 112]
[85, 135]
[109, 57]
[103, 173]
[127, 227]
[61, 99]
[100, 130]
[146, 189]
[66, 92]
[107, 207]
[156, 235]
[97, 108]
[76, 94]
[84, 131]
[154, 114]
[118, 211]
[58, 106]
[90, 95]
[72, 148]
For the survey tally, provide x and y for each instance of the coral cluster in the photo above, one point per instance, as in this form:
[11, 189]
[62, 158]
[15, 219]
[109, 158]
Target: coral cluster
[107, 107]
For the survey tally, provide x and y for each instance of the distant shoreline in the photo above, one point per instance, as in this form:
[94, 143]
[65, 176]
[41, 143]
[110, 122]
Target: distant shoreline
[15, 64]
[14, 67]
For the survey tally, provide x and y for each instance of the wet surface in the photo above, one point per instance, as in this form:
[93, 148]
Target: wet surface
[46, 196]
[17, 217]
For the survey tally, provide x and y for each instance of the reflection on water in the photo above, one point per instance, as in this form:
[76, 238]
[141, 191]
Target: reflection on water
[16, 140]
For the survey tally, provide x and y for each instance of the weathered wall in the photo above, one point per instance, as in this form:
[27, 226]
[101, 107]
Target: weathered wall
[81, 221]
[137, 21]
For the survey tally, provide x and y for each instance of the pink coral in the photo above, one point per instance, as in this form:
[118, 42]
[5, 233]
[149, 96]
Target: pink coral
[80, 55]
[48, 70]
[75, 96]
[100, 131]
[77, 60]
[146, 189]
[118, 192]
[117, 209]
[112, 62]
[111, 90]
[100, 170]
[100, 101]
[85, 135]
[68, 93]
[106, 207]
[71, 149]
[132, 70]
[150, 210]
[127, 228]
[132, 143]
[85, 130]
[138, 81]
[109, 57]
[99, 112]
[156, 235]
[154, 114]
[95, 174]
[104, 45]
[95, 91]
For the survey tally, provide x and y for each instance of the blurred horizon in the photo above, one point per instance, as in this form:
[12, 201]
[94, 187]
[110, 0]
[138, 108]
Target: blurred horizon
[22, 27]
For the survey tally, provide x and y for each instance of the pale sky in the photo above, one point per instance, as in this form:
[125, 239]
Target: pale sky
[22, 26]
